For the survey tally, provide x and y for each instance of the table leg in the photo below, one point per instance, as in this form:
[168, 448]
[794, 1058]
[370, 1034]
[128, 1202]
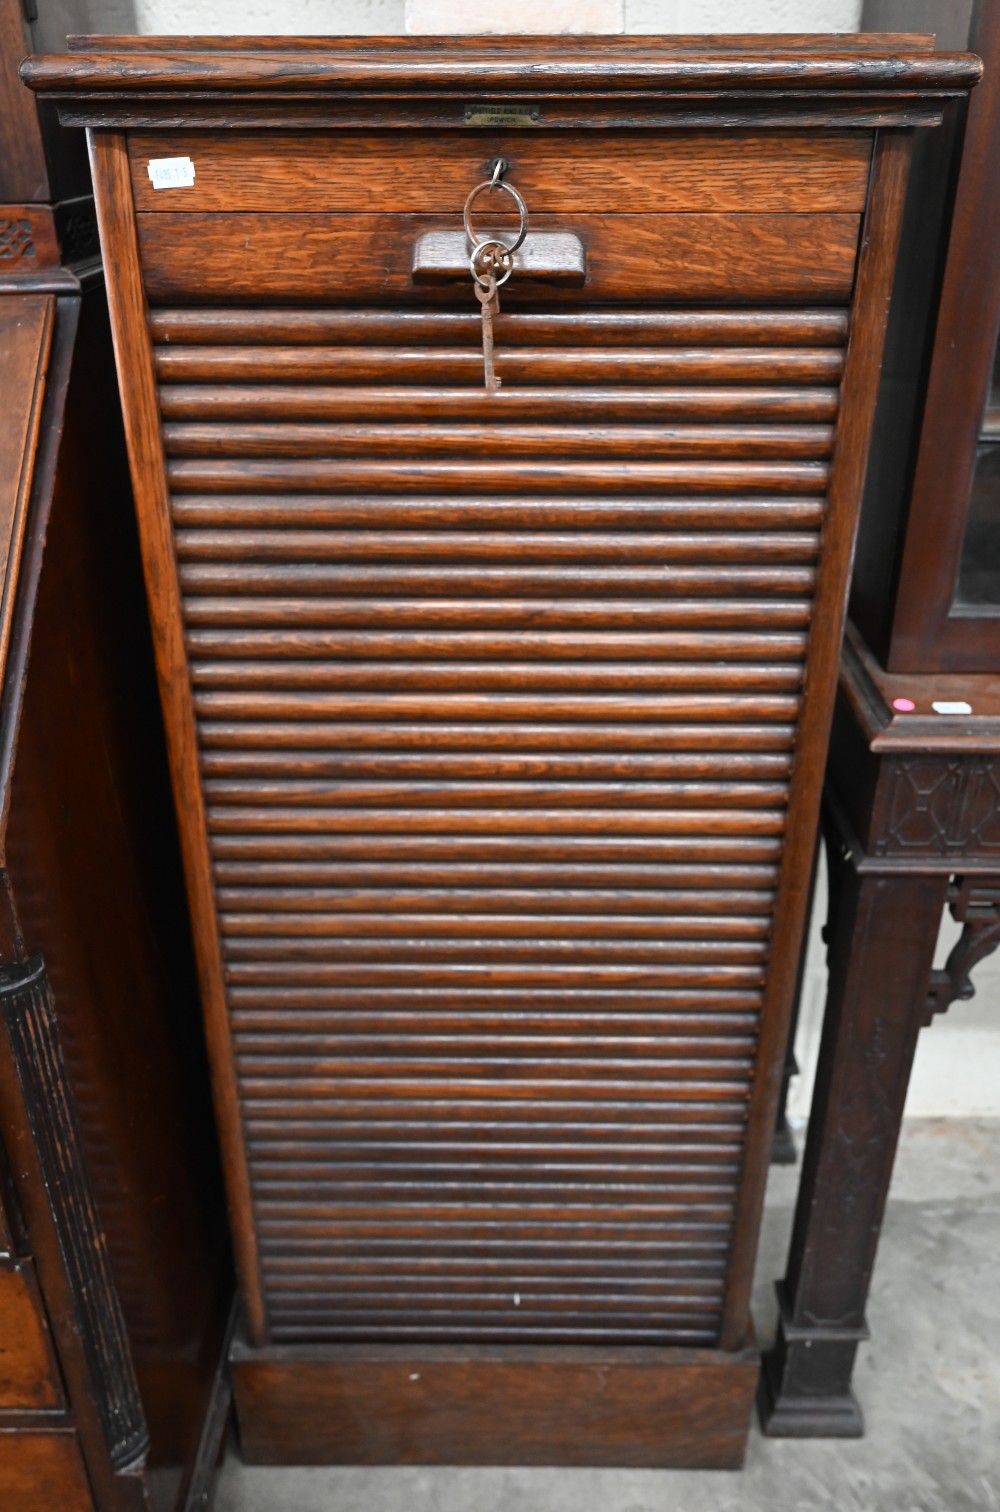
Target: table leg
[883, 933]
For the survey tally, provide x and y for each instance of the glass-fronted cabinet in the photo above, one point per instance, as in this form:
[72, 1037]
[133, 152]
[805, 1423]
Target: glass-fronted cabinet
[927, 585]
[978, 589]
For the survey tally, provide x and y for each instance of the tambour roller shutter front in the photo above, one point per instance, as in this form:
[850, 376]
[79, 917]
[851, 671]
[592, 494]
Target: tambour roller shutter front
[498, 719]
[496, 749]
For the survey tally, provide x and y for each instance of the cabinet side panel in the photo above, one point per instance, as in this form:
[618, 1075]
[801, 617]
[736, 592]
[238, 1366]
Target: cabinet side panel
[864, 356]
[116, 218]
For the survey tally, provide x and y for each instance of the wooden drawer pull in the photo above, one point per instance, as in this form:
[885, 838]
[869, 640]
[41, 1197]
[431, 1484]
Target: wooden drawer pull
[554, 257]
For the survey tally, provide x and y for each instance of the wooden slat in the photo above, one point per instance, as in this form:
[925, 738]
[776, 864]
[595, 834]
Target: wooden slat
[361, 794]
[568, 611]
[548, 973]
[325, 578]
[370, 645]
[319, 874]
[445, 475]
[357, 1168]
[485, 848]
[716, 1146]
[475, 736]
[327, 927]
[347, 327]
[242, 901]
[339, 1065]
[211, 402]
[246, 439]
[346, 764]
[550, 547]
[407, 512]
[641, 819]
[530, 366]
[458, 1332]
[457, 676]
[501, 707]
[714, 1123]
[621, 1032]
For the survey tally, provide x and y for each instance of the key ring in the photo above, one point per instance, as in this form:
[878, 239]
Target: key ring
[478, 261]
[496, 182]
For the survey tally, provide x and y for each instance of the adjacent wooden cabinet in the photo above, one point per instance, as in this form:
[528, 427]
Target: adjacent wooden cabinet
[913, 776]
[926, 594]
[115, 1271]
[497, 720]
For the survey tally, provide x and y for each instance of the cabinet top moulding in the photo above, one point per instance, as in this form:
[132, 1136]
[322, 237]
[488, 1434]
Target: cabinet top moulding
[631, 81]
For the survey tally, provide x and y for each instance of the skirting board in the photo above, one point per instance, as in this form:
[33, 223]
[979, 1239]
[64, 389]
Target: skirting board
[398, 1404]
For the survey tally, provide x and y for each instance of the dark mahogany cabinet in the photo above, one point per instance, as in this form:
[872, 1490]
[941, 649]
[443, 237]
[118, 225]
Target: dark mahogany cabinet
[497, 717]
[926, 593]
[115, 1270]
[912, 813]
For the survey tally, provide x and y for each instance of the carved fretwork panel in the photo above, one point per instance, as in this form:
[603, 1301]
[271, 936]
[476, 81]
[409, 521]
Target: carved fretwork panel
[940, 806]
[16, 240]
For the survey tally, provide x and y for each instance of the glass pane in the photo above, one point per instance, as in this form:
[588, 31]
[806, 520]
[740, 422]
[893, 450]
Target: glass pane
[979, 572]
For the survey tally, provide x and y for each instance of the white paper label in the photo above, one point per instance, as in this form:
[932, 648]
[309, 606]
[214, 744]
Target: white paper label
[171, 173]
[952, 706]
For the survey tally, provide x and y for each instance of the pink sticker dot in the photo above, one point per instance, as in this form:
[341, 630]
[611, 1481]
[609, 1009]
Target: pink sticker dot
[903, 705]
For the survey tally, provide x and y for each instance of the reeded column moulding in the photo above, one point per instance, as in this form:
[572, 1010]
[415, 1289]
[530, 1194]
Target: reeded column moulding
[498, 720]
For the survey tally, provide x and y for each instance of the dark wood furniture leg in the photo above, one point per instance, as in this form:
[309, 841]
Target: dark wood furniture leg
[912, 825]
[881, 954]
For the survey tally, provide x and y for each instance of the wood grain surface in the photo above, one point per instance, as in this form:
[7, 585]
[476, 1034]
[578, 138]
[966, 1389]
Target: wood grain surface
[432, 173]
[864, 359]
[25, 339]
[522, 681]
[43, 1469]
[573, 1406]
[127, 305]
[346, 258]
[29, 1376]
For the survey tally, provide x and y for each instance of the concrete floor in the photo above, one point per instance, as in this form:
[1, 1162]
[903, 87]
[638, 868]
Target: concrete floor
[929, 1382]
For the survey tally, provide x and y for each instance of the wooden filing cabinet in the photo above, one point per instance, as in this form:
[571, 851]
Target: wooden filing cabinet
[497, 719]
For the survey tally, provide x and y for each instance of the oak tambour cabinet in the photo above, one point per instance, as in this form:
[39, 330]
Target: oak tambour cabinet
[497, 717]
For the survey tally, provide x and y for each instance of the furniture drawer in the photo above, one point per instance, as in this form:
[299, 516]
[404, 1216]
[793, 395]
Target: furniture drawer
[428, 173]
[345, 258]
[690, 218]
[42, 1470]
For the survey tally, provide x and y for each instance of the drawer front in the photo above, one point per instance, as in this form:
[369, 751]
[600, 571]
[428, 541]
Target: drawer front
[497, 697]
[41, 1469]
[335, 218]
[351, 258]
[419, 173]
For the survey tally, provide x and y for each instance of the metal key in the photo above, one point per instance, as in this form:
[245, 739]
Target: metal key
[489, 304]
[492, 261]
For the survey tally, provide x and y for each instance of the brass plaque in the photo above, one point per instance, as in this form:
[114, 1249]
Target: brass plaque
[502, 115]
